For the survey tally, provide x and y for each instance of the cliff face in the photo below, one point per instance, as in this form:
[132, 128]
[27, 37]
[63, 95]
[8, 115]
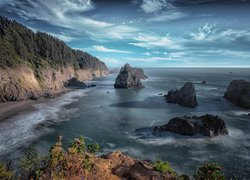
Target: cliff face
[33, 64]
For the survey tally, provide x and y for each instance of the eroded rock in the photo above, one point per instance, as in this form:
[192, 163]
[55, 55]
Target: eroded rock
[186, 96]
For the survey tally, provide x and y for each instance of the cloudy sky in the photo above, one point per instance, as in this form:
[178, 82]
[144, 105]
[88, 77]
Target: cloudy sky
[146, 33]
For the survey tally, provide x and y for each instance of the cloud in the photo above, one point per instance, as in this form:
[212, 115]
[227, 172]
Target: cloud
[209, 32]
[167, 16]
[152, 42]
[70, 15]
[104, 49]
[150, 6]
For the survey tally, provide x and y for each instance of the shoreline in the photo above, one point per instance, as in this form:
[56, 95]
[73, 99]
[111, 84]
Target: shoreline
[13, 108]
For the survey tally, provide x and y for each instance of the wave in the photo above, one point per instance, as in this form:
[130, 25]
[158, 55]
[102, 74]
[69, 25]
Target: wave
[145, 136]
[23, 128]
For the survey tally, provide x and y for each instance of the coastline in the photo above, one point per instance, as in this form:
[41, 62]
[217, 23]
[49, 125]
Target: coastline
[13, 108]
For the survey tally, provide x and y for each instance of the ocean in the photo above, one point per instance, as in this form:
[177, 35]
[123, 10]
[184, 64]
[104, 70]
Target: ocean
[119, 119]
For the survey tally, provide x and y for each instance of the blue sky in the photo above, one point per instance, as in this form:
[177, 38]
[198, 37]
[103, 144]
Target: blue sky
[146, 33]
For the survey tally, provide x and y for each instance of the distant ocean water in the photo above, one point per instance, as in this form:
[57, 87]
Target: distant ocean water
[119, 119]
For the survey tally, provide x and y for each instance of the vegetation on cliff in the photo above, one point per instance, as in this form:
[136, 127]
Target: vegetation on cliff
[19, 44]
[80, 162]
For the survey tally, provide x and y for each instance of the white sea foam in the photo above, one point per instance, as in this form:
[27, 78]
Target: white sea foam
[21, 128]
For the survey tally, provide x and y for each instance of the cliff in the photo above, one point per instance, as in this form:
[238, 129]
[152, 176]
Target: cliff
[34, 64]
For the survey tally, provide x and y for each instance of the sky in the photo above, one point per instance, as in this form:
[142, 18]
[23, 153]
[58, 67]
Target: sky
[144, 33]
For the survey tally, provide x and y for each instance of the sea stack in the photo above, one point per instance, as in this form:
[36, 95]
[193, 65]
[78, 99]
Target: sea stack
[238, 92]
[186, 96]
[207, 125]
[129, 77]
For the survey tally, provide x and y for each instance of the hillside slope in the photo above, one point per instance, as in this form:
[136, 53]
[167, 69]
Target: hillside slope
[35, 64]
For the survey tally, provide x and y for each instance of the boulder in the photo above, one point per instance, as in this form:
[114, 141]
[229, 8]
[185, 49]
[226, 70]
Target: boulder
[238, 92]
[74, 83]
[129, 77]
[207, 125]
[186, 96]
[203, 82]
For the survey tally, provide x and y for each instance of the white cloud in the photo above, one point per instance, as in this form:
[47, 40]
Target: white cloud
[150, 59]
[209, 32]
[149, 6]
[69, 14]
[167, 16]
[63, 37]
[104, 49]
[152, 41]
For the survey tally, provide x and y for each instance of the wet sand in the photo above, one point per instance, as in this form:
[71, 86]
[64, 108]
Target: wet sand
[10, 109]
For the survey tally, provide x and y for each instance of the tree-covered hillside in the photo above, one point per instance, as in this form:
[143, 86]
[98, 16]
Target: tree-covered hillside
[19, 44]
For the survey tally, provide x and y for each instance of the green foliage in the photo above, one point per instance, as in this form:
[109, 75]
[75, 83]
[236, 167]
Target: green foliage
[87, 165]
[19, 45]
[5, 172]
[210, 171]
[79, 145]
[32, 163]
[164, 167]
[93, 148]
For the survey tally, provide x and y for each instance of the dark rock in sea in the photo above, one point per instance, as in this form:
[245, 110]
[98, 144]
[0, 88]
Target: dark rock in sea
[207, 125]
[238, 92]
[129, 77]
[48, 95]
[160, 94]
[203, 82]
[32, 96]
[186, 96]
[74, 83]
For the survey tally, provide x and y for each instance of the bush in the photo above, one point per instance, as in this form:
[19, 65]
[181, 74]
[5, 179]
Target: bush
[5, 172]
[210, 171]
[32, 163]
[164, 167]
[93, 148]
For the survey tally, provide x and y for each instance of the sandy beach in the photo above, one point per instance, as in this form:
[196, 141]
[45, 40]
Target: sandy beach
[10, 109]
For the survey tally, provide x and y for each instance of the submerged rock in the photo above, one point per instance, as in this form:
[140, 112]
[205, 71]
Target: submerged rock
[129, 77]
[238, 92]
[207, 125]
[186, 96]
[203, 82]
[73, 82]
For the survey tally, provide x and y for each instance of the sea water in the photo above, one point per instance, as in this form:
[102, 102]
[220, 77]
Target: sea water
[120, 119]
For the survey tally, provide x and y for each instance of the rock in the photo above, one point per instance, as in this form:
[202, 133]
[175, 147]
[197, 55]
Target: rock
[32, 96]
[186, 96]
[207, 125]
[128, 168]
[203, 82]
[238, 92]
[129, 77]
[48, 95]
[73, 82]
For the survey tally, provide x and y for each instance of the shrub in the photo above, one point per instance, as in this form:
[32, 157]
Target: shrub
[5, 172]
[210, 171]
[93, 148]
[164, 167]
[32, 163]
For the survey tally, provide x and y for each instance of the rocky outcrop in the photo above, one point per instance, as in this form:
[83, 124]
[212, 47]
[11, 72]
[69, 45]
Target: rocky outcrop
[129, 77]
[74, 83]
[37, 64]
[125, 167]
[238, 92]
[186, 96]
[207, 125]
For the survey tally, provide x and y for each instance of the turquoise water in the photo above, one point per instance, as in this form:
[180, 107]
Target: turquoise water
[119, 118]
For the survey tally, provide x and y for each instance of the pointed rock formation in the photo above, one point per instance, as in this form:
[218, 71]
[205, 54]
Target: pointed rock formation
[129, 77]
